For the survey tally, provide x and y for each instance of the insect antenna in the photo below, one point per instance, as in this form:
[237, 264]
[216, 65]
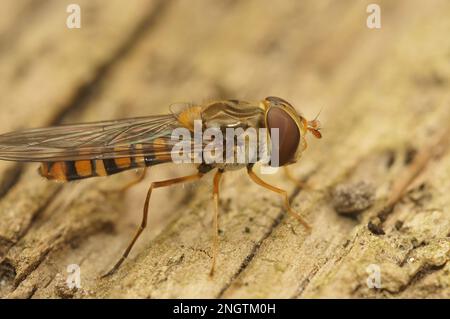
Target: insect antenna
[314, 126]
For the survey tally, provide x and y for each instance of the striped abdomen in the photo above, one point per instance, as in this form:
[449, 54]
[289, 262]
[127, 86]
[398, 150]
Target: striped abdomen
[80, 169]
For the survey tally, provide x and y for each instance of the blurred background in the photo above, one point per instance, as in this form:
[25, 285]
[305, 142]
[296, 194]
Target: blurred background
[383, 88]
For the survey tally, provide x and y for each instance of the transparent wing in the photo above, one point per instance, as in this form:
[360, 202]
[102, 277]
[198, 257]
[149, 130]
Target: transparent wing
[97, 140]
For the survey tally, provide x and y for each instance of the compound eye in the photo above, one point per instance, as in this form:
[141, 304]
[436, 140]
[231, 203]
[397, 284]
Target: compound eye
[289, 134]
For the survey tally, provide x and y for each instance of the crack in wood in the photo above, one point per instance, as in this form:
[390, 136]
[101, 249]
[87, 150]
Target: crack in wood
[423, 272]
[438, 145]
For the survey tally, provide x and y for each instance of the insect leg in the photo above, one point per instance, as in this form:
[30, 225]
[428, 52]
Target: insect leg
[293, 179]
[217, 177]
[279, 191]
[153, 185]
[135, 181]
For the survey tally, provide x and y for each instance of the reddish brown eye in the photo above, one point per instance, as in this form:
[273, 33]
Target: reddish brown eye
[289, 134]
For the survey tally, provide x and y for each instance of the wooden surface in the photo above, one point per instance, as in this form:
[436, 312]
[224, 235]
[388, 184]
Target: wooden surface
[385, 98]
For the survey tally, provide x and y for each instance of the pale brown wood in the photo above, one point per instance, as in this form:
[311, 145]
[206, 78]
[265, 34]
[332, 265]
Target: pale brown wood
[385, 97]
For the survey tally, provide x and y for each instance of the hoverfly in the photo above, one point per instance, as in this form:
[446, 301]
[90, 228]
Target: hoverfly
[79, 151]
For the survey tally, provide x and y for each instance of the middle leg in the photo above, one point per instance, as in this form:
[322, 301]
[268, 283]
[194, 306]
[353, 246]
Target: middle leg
[216, 219]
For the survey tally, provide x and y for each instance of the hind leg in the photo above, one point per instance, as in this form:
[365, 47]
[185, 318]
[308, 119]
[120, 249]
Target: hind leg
[153, 185]
[135, 181]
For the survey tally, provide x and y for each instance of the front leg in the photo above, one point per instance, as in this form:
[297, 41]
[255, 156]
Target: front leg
[279, 191]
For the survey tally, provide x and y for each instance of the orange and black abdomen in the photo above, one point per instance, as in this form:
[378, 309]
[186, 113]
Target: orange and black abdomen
[80, 169]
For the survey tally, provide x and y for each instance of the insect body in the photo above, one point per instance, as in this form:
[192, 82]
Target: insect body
[73, 152]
